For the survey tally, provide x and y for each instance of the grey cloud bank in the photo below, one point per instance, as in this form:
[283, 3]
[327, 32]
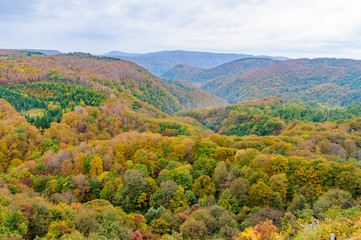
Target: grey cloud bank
[307, 28]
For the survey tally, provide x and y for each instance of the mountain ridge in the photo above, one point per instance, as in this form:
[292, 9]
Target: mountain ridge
[103, 73]
[231, 69]
[332, 80]
[159, 62]
[95, 148]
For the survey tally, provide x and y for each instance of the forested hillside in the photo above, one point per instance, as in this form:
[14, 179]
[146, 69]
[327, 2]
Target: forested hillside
[325, 80]
[190, 96]
[107, 76]
[267, 116]
[95, 148]
[198, 76]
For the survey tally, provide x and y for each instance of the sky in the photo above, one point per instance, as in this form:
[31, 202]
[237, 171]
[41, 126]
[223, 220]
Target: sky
[292, 28]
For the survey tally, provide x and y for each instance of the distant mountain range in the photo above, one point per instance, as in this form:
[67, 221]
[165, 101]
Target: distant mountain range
[115, 75]
[198, 76]
[160, 62]
[325, 80]
[117, 53]
[238, 77]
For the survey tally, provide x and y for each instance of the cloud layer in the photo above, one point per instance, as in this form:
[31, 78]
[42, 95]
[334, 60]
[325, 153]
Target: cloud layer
[297, 28]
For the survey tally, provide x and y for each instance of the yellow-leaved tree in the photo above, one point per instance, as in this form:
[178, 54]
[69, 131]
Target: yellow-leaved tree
[96, 166]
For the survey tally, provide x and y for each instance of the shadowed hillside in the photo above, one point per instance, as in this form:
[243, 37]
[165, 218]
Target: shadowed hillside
[220, 73]
[333, 81]
[108, 75]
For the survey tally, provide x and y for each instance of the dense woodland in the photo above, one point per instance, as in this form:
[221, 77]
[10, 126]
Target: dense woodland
[324, 80]
[219, 73]
[86, 158]
[268, 116]
[112, 76]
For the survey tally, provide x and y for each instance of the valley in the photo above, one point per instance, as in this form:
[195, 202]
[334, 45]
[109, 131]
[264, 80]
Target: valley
[95, 147]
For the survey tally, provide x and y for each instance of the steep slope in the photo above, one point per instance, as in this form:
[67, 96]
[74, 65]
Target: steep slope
[116, 167]
[267, 116]
[109, 75]
[183, 72]
[335, 81]
[190, 96]
[90, 172]
[159, 62]
[198, 76]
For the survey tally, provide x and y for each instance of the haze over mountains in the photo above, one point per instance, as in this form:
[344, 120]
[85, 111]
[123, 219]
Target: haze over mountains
[198, 76]
[237, 77]
[159, 62]
[326, 80]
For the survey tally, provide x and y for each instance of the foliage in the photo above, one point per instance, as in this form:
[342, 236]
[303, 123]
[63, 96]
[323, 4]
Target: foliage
[323, 80]
[123, 169]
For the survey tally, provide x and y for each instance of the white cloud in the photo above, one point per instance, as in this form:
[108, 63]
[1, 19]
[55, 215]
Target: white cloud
[297, 28]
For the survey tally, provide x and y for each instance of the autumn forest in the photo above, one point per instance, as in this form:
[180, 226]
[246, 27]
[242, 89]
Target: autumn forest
[98, 147]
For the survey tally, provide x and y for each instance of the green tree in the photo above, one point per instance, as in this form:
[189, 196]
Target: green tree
[220, 175]
[298, 204]
[239, 188]
[107, 192]
[181, 176]
[279, 165]
[278, 183]
[203, 186]
[229, 202]
[333, 197]
[261, 195]
[179, 200]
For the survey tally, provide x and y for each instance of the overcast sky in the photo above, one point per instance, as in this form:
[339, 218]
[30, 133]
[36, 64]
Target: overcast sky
[293, 28]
